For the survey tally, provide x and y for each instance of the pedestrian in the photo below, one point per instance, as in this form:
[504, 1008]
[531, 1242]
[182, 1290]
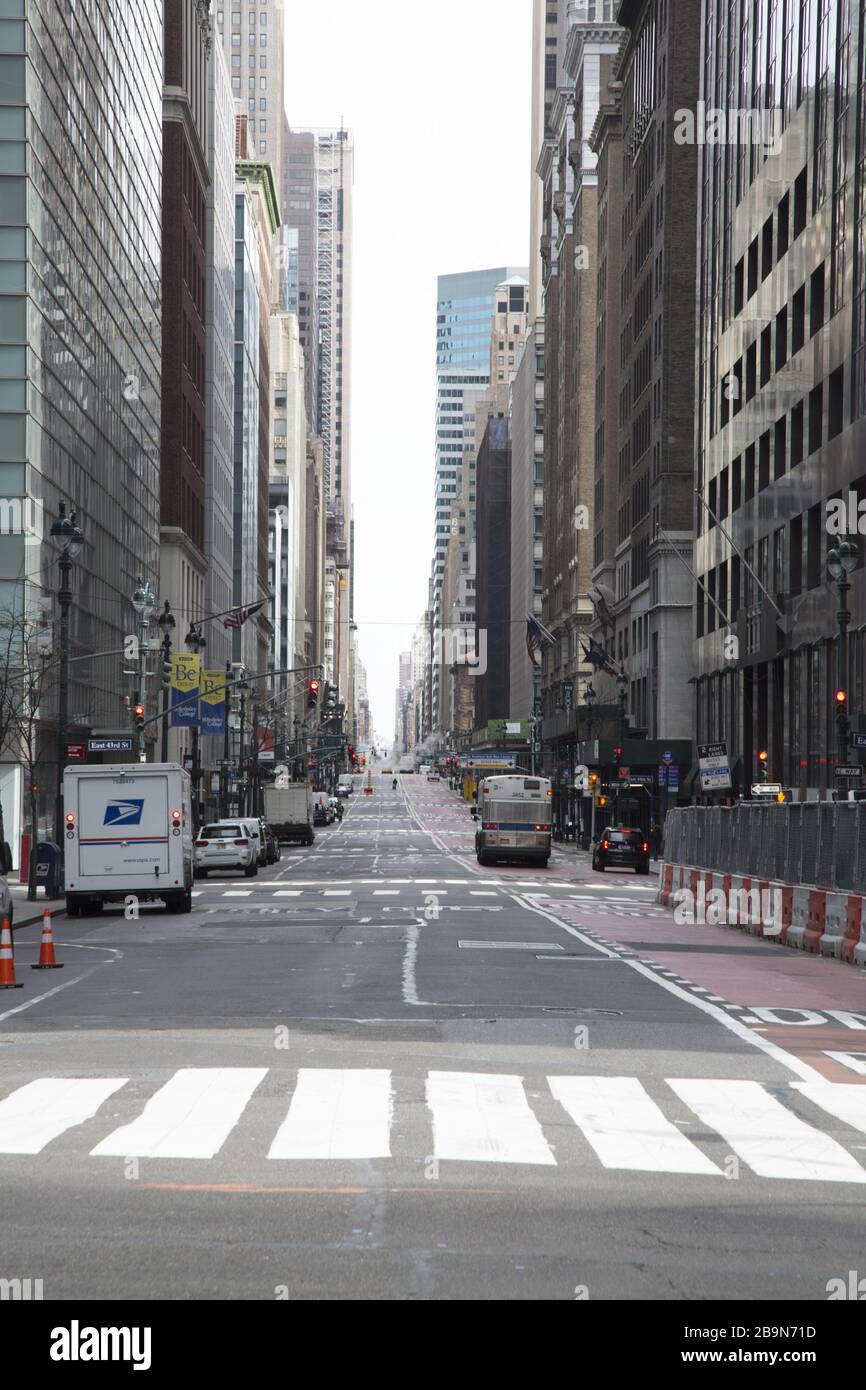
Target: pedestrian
[339, 810]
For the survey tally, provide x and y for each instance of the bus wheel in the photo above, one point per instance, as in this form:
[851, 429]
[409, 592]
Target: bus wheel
[482, 857]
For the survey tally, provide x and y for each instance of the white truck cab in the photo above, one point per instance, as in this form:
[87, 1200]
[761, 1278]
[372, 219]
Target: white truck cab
[127, 833]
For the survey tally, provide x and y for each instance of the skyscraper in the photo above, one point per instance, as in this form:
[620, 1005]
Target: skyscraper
[780, 434]
[80, 320]
[465, 304]
[252, 38]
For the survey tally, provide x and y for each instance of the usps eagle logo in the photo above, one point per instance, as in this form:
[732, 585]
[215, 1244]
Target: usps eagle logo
[124, 812]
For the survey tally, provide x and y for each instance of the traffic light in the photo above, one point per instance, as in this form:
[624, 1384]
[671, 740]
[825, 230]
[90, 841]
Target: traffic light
[312, 695]
[602, 802]
[138, 715]
[593, 781]
[763, 759]
[329, 701]
[780, 796]
[166, 673]
[617, 756]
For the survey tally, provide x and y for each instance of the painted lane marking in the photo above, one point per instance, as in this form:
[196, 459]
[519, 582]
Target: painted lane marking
[510, 945]
[191, 1116]
[625, 1127]
[845, 1100]
[337, 1114]
[484, 1118]
[774, 1141]
[37, 1113]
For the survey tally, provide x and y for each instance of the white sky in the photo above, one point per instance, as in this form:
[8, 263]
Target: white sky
[438, 98]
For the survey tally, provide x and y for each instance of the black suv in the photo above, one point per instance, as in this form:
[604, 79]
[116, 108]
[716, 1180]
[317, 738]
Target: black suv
[621, 847]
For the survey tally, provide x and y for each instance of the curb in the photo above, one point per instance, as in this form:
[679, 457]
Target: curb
[19, 923]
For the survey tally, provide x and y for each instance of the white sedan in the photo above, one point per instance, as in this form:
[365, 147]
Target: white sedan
[225, 846]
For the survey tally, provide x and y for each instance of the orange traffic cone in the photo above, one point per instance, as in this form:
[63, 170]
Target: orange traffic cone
[7, 963]
[47, 958]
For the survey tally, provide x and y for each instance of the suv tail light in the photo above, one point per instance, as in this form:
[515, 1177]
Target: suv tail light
[201, 844]
[605, 844]
[645, 847]
[241, 842]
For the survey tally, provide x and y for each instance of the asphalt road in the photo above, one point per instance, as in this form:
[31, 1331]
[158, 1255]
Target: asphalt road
[380, 1071]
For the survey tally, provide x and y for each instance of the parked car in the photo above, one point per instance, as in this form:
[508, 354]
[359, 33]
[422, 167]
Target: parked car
[621, 847]
[345, 788]
[225, 845]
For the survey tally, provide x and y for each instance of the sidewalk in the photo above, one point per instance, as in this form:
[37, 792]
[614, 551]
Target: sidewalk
[28, 913]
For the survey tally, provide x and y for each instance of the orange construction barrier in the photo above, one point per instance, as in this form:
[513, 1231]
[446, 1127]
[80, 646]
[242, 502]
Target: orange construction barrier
[7, 962]
[47, 958]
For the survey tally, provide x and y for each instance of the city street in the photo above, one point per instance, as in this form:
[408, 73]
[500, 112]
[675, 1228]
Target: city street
[377, 1070]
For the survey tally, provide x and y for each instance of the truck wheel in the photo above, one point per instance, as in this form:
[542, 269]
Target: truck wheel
[310, 838]
[73, 908]
[199, 873]
[251, 870]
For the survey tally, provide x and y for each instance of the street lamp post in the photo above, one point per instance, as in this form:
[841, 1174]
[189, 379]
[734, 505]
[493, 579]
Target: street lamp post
[224, 774]
[622, 687]
[144, 602]
[195, 642]
[65, 529]
[589, 701]
[841, 561]
[242, 798]
[166, 627]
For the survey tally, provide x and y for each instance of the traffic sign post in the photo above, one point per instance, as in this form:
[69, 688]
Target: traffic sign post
[848, 770]
[761, 789]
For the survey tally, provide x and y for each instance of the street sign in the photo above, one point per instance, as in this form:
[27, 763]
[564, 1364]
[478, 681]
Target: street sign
[75, 750]
[766, 788]
[667, 757]
[109, 745]
[673, 778]
[859, 740]
[714, 768]
[663, 774]
[848, 770]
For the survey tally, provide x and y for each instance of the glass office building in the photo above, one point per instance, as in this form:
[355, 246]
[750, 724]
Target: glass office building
[80, 321]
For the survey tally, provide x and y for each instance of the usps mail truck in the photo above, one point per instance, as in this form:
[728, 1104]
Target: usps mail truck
[128, 832]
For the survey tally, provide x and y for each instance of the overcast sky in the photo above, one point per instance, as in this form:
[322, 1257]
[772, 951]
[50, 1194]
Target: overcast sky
[438, 98]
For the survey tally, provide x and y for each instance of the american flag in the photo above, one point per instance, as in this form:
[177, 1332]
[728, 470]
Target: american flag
[598, 657]
[238, 616]
[536, 633]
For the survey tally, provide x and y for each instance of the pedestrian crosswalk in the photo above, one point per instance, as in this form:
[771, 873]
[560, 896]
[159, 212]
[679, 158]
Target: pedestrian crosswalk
[776, 1132]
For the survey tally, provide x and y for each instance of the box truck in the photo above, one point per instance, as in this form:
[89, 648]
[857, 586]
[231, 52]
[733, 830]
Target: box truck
[128, 832]
[289, 813]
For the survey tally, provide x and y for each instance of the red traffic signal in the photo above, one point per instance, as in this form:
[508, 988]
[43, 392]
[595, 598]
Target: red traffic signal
[841, 698]
[617, 753]
[138, 711]
[763, 756]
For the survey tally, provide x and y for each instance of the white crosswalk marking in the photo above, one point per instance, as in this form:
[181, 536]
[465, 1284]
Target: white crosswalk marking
[38, 1112]
[846, 1101]
[191, 1116]
[625, 1127]
[484, 1118]
[337, 1114]
[774, 1141]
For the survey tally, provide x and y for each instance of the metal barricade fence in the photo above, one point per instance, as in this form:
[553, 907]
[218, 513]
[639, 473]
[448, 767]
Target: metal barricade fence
[820, 844]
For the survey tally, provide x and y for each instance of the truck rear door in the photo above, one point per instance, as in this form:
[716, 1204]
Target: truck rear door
[123, 825]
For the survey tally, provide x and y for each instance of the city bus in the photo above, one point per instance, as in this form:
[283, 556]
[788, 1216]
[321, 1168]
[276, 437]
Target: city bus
[515, 814]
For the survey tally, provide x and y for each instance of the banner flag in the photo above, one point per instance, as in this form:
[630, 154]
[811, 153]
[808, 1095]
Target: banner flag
[212, 704]
[185, 678]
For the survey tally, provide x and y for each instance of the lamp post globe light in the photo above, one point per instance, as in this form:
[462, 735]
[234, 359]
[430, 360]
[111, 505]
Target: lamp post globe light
[841, 562]
[65, 529]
